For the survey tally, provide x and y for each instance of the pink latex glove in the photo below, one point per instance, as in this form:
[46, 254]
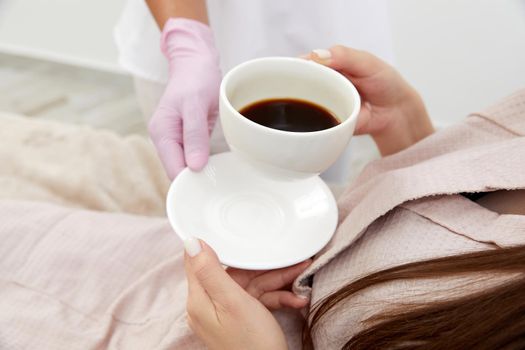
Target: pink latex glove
[181, 125]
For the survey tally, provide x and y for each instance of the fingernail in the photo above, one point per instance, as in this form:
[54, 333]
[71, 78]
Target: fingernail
[323, 54]
[192, 246]
[305, 297]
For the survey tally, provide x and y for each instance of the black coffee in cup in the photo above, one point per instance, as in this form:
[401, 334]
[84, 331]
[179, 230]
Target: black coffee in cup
[290, 115]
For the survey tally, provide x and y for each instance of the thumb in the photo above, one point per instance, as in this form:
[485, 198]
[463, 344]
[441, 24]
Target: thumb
[205, 269]
[352, 62]
[196, 137]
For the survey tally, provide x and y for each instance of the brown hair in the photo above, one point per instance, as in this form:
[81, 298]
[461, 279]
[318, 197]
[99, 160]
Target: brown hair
[491, 319]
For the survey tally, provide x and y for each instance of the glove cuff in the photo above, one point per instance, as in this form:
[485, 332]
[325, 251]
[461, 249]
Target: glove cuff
[183, 36]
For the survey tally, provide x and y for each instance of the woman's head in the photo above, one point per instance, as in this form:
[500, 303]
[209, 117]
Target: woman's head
[493, 318]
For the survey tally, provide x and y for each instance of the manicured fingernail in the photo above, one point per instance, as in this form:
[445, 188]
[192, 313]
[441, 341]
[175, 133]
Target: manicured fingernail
[192, 246]
[323, 54]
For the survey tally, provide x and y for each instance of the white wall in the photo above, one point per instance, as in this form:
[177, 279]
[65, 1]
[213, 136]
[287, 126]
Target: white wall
[461, 54]
[72, 31]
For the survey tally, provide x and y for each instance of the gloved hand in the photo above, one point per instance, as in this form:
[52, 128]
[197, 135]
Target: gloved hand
[186, 114]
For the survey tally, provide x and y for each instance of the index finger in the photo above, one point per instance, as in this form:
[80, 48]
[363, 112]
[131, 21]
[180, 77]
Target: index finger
[171, 155]
[168, 140]
[243, 277]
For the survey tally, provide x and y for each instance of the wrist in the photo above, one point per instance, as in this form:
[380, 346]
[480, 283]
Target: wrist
[162, 10]
[409, 123]
[183, 36]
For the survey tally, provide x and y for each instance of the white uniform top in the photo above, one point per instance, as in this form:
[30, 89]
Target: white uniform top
[246, 29]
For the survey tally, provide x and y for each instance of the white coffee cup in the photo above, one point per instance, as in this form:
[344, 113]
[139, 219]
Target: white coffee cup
[283, 152]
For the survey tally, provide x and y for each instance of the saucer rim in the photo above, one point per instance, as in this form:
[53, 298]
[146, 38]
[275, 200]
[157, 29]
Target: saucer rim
[282, 262]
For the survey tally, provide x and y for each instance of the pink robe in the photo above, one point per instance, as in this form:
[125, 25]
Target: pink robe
[78, 271]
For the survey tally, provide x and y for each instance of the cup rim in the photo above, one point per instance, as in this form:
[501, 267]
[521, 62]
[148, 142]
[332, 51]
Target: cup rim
[319, 66]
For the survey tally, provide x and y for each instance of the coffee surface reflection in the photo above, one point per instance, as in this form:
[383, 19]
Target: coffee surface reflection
[289, 114]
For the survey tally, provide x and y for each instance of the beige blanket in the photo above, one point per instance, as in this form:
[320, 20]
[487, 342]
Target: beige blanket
[79, 167]
[77, 269]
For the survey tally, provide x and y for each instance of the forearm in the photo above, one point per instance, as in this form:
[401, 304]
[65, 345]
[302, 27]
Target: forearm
[411, 125]
[162, 10]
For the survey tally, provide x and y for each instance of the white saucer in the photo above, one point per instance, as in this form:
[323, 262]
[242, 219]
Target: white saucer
[252, 221]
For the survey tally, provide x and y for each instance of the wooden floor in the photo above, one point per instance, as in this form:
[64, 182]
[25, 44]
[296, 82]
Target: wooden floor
[47, 90]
